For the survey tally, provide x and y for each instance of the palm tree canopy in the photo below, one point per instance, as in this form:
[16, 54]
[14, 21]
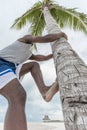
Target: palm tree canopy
[63, 16]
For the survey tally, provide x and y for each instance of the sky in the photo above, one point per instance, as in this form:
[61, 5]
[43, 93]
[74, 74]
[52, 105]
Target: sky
[36, 107]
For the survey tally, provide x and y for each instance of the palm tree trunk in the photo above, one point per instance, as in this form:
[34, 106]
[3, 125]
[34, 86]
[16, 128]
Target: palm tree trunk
[72, 78]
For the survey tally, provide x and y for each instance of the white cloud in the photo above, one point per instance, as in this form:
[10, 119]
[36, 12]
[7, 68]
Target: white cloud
[74, 4]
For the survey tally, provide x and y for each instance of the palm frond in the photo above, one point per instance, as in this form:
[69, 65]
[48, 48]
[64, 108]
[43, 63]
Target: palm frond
[70, 18]
[38, 25]
[64, 17]
[27, 16]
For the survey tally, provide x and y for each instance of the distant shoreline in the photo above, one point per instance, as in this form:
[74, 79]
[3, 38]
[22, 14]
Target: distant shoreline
[54, 121]
[42, 126]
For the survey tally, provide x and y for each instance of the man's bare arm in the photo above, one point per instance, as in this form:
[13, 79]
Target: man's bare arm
[48, 38]
[42, 39]
[41, 57]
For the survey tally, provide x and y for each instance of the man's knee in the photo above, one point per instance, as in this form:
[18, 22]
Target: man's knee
[14, 93]
[21, 97]
[35, 68]
[35, 64]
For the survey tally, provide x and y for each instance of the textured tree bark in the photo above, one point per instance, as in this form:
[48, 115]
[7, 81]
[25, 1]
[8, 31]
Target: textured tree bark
[72, 78]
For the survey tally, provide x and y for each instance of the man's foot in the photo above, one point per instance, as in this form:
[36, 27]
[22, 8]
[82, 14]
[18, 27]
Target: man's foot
[51, 92]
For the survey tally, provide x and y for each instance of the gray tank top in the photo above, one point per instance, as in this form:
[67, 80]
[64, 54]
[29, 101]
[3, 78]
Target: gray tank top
[17, 52]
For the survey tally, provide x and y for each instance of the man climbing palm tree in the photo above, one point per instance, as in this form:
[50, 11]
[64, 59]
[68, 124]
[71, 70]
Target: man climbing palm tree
[12, 68]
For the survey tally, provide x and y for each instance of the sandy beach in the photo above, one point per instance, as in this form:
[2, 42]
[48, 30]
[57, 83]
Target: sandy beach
[42, 126]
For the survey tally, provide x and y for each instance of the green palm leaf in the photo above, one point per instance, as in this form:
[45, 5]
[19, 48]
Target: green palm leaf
[38, 24]
[27, 16]
[70, 18]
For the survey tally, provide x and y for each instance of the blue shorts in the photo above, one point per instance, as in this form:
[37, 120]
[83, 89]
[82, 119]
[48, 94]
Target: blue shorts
[7, 72]
[6, 65]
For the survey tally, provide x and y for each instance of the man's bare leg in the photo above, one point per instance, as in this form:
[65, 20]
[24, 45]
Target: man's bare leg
[34, 68]
[15, 94]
